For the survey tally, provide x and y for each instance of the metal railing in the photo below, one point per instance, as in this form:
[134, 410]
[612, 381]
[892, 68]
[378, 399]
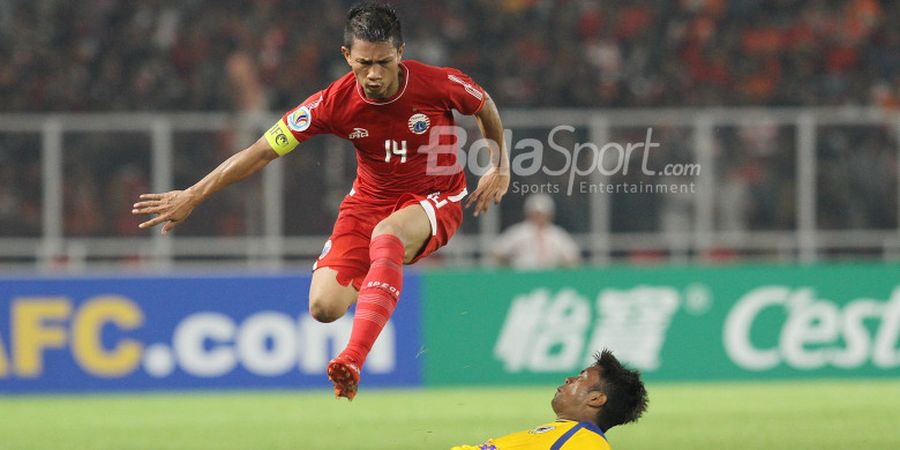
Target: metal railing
[795, 145]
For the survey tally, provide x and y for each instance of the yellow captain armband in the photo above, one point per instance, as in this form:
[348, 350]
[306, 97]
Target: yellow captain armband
[280, 138]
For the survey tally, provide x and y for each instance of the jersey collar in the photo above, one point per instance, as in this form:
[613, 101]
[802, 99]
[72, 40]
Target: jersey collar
[586, 425]
[389, 100]
[593, 427]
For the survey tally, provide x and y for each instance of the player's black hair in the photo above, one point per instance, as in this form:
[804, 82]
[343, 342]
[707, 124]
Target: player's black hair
[373, 22]
[626, 397]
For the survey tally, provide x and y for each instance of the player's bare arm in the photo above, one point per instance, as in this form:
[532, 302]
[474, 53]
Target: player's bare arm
[492, 186]
[173, 207]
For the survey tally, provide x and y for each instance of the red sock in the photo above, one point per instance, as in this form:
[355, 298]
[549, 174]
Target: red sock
[378, 295]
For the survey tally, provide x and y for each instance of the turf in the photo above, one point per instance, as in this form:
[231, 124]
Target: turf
[785, 415]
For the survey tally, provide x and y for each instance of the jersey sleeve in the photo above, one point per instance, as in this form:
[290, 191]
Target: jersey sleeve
[299, 124]
[487, 445]
[464, 95]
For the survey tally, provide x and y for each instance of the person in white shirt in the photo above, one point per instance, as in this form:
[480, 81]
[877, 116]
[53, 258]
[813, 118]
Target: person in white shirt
[536, 243]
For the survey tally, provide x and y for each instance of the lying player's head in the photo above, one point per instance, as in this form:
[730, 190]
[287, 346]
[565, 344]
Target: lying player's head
[606, 393]
[373, 45]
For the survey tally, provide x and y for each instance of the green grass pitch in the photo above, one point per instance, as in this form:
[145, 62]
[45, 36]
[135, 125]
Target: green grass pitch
[816, 415]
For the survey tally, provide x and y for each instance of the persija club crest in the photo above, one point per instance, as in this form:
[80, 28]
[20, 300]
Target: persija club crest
[419, 123]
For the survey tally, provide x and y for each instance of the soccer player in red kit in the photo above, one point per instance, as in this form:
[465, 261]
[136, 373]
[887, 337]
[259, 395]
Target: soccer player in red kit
[405, 202]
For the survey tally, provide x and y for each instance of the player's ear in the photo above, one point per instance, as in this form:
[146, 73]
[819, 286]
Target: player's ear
[346, 52]
[400, 51]
[596, 399]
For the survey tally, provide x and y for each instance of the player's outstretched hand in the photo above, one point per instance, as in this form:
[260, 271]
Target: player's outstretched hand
[491, 186]
[170, 207]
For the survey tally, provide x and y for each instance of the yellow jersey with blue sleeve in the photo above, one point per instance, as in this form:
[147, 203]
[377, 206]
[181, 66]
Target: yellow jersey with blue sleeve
[559, 435]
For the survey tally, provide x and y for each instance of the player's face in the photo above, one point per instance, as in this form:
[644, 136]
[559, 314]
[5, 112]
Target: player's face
[376, 66]
[577, 393]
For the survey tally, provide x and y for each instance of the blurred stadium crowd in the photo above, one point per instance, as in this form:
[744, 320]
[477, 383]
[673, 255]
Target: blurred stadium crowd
[267, 55]
[99, 55]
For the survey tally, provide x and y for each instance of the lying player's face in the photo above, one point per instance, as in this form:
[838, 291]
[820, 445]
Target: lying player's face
[576, 392]
[376, 66]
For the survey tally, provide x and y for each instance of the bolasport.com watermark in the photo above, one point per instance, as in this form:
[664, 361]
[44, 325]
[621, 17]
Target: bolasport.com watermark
[573, 167]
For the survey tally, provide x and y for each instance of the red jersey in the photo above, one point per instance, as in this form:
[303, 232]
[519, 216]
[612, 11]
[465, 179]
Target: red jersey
[392, 137]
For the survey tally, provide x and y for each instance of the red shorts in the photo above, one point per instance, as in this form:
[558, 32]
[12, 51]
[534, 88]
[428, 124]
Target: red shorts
[347, 250]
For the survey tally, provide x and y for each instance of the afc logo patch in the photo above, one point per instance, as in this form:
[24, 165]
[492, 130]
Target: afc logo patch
[300, 120]
[419, 123]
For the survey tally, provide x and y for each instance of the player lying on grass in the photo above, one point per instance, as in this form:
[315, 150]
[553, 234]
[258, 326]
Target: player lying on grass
[602, 396]
[398, 210]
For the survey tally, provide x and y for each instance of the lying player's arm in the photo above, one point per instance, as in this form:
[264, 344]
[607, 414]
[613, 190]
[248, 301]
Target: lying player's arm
[174, 206]
[494, 183]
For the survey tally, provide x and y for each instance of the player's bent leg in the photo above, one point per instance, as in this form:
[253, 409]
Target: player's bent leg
[329, 299]
[396, 239]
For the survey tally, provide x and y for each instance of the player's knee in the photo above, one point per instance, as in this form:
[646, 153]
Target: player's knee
[390, 227]
[324, 311]
[387, 227]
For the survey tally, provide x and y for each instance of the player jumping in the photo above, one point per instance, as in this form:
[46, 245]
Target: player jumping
[398, 210]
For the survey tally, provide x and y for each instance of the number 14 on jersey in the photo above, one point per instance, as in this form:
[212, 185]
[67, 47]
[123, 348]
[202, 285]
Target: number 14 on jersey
[392, 147]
